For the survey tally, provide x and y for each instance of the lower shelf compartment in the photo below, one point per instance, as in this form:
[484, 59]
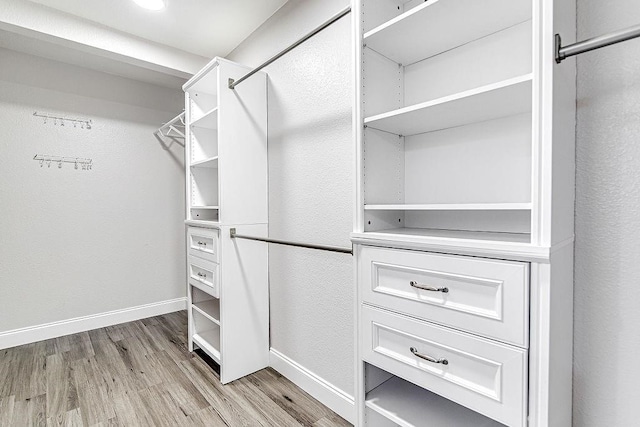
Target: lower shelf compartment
[401, 403]
[209, 342]
[206, 335]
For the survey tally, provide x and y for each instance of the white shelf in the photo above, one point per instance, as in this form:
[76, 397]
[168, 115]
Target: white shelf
[410, 406]
[202, 223]
[208, 120]
[211, 162]
[206, 207]
[453, 234]
[502, 99]
[209, 309]
[209, 342]
[452, 207]
[440, 25]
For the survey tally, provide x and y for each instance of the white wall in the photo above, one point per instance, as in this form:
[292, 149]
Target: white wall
[76, 243]
[311, 185]
[607, 269]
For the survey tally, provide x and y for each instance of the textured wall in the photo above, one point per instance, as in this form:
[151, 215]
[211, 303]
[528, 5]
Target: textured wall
[607, 269]
[76, 243]
[311, 181]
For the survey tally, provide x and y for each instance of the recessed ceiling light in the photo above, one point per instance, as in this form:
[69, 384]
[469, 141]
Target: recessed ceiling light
[151, 4]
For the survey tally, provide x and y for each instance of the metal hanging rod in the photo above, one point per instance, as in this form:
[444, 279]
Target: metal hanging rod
[233, 83]
[563, 52]
[234, 235]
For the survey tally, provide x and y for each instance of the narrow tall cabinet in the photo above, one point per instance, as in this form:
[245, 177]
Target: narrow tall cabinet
[464, 227]
[226, 179]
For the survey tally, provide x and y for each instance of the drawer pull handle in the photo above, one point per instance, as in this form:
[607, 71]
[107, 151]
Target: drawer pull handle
[202, 275]
[202, 243]
[428, 288]
[428, 358]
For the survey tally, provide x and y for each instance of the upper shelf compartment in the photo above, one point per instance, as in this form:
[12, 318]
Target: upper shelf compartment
[420, 32]
[503, 99]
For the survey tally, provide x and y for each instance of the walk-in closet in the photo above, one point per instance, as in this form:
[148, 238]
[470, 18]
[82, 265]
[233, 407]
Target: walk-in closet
[319, 213]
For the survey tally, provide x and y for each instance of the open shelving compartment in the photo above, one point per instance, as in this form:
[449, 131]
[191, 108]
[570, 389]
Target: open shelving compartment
[391, 401]
[206, 323]
[203, 147]
[447, 122]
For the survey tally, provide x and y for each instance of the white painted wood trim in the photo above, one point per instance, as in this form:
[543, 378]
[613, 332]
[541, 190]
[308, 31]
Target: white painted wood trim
[328, 394]
[61, 328]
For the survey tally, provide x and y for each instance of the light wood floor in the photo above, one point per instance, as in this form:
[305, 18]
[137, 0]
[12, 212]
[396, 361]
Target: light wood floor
[141, 374]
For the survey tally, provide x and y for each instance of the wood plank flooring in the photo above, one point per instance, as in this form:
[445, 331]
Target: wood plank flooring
[141, 374]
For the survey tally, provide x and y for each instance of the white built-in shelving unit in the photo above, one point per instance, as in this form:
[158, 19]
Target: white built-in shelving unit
[226, 170]
[464, 216]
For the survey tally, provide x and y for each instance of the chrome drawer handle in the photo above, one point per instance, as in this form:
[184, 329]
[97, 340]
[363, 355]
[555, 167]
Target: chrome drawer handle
[428, 358]
[202, 243]
[202, 275]
[428, 288]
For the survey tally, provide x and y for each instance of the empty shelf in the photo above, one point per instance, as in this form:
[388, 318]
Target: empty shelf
[503, 99]
[409, 406]
[211, 162]
[418, 33]
[524, 238]
[210, 309]
[206, 207]
[208, 120]
[451, 207]
[209, 342]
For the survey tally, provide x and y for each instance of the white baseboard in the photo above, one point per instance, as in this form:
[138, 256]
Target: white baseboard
[61, 328]
[331, 396]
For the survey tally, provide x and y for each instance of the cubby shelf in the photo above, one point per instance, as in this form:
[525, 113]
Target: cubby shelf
[211, 162]
[439, 25]
[208, 120]
[451, 207]
[209, 342]
[408, 405]
[502, 99]
[209, 309]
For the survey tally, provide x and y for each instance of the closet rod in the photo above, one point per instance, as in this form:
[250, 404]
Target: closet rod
[234, 235]
[563, 52]
[233, 83]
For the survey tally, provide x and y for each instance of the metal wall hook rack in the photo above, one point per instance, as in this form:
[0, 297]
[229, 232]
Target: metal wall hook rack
[61, 120]
[234, 235]
[78, 162]
[564, 52]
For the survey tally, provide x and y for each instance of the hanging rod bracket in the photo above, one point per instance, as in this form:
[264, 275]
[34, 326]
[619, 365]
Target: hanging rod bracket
[563, 52]
[234, 235]
[231, 84]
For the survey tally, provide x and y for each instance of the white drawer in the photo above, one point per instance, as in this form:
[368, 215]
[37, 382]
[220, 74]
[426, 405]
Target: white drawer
[204, 276]
[485, 297]
[483, 375]
[203, 243]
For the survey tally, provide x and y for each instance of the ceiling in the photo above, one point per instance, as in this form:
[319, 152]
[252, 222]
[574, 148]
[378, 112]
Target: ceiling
[203, 27]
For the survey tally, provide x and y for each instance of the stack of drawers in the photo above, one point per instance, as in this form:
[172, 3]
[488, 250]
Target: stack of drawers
[456, 326]
[203, 260]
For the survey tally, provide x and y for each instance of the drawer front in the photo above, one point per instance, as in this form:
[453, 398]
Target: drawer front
[485, 297]
[203, 243]
[204, 275]
[483, 375]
